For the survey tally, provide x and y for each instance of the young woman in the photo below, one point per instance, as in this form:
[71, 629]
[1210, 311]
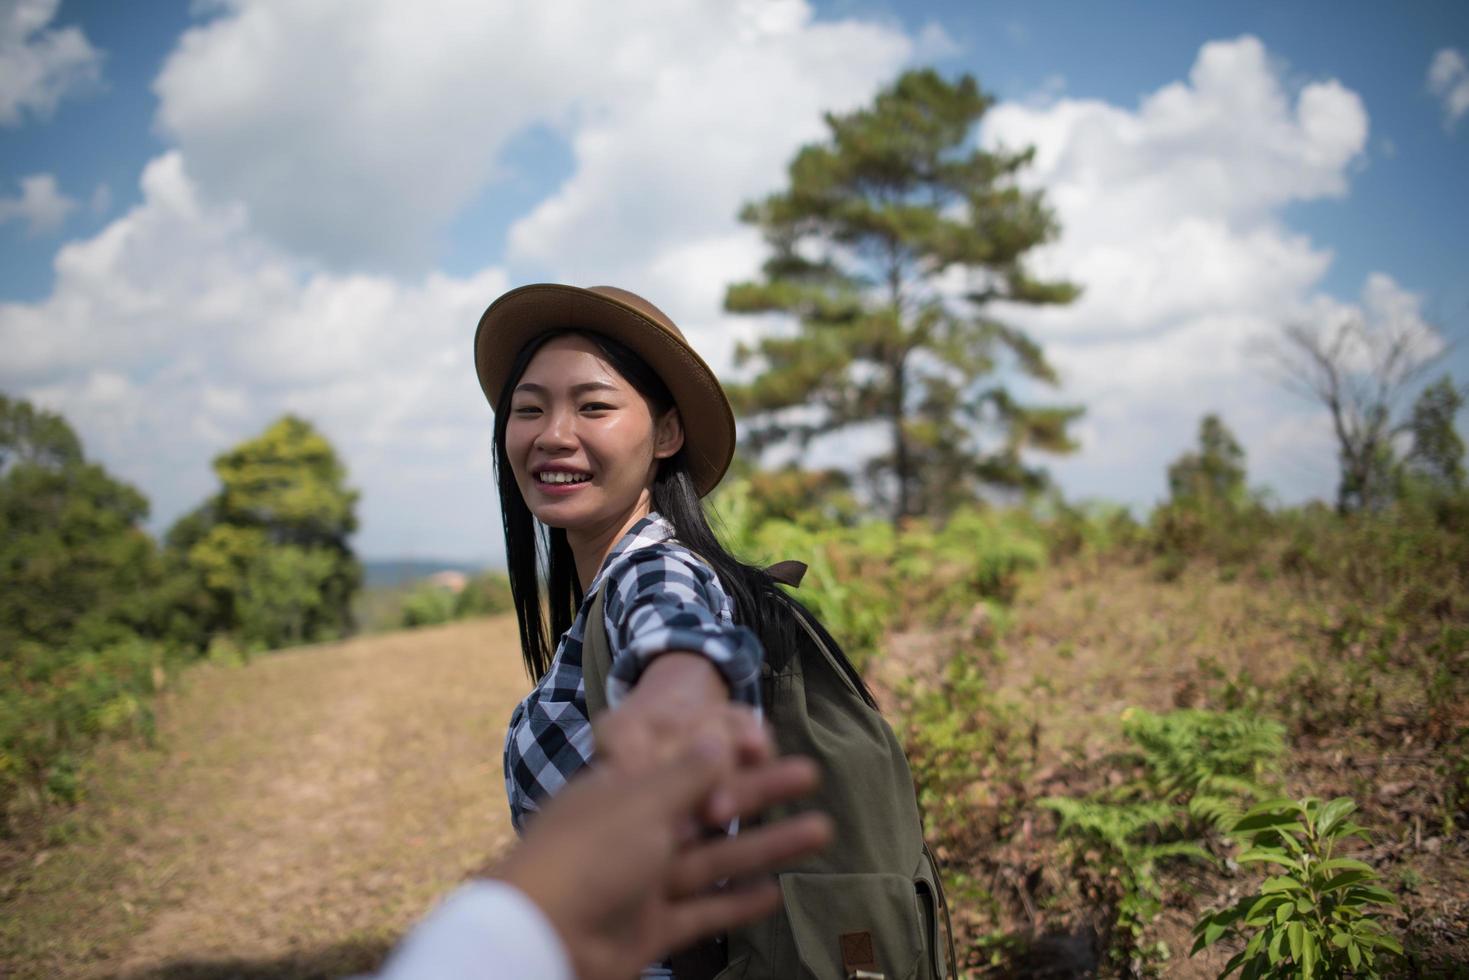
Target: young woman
[609, 429]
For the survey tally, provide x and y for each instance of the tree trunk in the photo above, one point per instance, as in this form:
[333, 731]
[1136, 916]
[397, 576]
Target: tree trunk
[901, 463]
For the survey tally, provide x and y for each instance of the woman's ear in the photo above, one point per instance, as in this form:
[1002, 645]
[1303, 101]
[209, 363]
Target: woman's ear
[668, 439]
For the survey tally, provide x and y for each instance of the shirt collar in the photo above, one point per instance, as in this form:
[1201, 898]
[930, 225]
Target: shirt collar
[650, 530]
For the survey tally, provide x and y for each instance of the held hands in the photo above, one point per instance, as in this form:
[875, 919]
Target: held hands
[679, 698]
[612, 864]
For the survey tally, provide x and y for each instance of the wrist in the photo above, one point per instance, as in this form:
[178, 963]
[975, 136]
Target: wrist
[680, 674]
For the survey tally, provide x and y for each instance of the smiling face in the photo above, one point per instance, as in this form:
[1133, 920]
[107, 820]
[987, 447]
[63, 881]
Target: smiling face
[582, 442]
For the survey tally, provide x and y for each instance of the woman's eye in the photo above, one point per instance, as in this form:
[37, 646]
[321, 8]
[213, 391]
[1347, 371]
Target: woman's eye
[526, 410]
[596, 407]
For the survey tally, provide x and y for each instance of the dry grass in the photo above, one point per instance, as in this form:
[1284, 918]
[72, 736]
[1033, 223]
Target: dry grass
[1090, 640]
[298, 814]
[1085, 641]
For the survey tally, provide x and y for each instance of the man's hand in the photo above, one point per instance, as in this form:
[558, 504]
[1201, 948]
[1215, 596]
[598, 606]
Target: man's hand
[612, 863]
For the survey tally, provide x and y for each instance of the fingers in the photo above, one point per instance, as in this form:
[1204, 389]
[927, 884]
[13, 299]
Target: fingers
[752, 852]
[749, 791]
[626, 743]
[695, 918]
[677, 787]
[753, 741]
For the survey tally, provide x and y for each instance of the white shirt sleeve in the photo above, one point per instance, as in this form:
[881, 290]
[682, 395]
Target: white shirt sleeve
[485, 929]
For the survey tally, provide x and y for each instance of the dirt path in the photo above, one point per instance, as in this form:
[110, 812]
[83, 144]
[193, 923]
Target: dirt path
[299, 813]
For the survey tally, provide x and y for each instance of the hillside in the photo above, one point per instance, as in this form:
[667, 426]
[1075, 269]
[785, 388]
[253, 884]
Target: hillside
[300, 811]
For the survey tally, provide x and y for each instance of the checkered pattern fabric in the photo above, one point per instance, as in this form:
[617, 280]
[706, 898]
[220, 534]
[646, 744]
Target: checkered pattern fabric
[660, 597]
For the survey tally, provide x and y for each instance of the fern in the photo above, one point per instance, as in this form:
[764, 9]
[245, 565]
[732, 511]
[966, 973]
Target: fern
[1213, 763]
[1198, 770]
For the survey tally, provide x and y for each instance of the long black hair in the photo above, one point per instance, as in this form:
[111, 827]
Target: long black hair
[538, 555]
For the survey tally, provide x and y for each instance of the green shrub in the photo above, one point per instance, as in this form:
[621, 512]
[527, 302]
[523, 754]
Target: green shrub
[866, 579]
[1320, 915]
[428, 605]
[1091, 528]
[55, 703]
[486, 594]
[968, 754]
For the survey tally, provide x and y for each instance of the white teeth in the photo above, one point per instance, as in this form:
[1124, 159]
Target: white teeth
[562, 477]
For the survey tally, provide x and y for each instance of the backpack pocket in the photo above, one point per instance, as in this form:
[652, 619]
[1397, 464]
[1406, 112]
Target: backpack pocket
[841, 923]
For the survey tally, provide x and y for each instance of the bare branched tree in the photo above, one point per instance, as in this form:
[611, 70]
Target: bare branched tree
[1361, 372]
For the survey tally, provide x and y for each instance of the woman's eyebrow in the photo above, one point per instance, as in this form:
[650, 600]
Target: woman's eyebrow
[533, 388]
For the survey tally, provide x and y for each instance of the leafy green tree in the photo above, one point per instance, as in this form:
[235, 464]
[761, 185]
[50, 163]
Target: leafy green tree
[1215, 473]
[877, 226]
[75, 565]
[1437, 456]
[35, 436]
[271, 548]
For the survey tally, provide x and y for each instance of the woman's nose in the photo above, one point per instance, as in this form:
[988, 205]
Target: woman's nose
[558, 431]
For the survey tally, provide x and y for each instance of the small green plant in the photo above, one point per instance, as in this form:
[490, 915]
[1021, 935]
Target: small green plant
[1119, 846]
[1319, 917]
[1208, 761]
[1194, 769]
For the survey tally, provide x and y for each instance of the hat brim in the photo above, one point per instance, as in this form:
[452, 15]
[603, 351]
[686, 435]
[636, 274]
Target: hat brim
[521, 315]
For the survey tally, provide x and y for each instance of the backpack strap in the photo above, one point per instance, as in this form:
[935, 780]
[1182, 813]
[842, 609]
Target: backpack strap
[938, 884]
[596, 655]
[596, 650]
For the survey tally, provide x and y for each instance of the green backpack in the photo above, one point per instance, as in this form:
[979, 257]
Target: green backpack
[868, 907]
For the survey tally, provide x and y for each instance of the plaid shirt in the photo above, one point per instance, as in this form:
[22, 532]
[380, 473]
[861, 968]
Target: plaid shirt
[660, 597]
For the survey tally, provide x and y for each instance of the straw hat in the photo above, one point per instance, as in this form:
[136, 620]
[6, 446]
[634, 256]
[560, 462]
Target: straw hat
[523, 314]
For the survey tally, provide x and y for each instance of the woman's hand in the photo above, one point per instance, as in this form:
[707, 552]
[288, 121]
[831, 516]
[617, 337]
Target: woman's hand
[679, 697]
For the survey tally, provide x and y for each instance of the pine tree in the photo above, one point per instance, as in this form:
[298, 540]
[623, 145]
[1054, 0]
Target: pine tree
[893, 237]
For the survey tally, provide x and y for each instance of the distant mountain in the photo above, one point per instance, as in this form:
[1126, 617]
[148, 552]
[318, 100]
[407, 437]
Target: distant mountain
[388, 572]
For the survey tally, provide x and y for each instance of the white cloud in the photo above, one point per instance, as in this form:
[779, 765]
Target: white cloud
[177, 330]
[316, 140]
[355, 131]
[39, 67]
[319, 139]
[716, 128]
[40, 204]
[1448, 79]
[1171, 221]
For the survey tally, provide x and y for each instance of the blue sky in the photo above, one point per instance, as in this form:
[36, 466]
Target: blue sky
[317, 200]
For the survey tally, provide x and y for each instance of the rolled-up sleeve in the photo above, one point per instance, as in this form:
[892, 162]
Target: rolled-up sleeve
[663, 600]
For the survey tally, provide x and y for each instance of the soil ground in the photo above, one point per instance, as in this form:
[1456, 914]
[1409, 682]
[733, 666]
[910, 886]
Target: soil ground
[297, 815]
